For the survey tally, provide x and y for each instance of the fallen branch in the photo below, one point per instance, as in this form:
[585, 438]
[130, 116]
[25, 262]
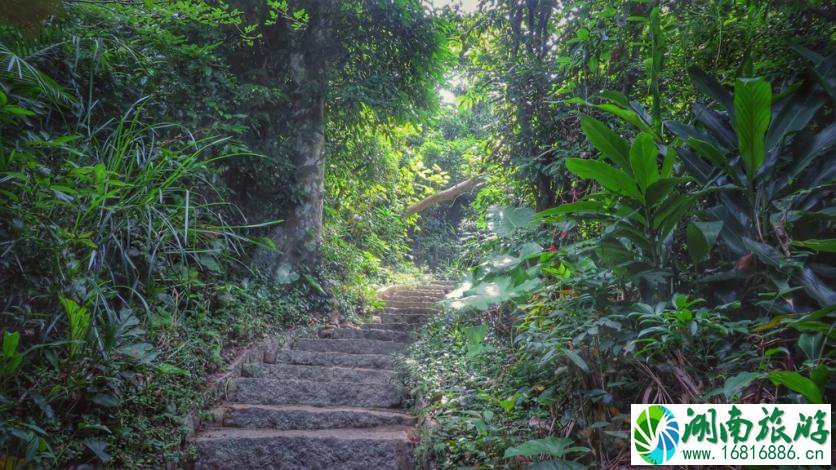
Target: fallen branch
[446, 195]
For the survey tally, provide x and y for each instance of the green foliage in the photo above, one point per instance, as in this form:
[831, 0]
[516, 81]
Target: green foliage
[639, 208]
[551, 446]
[797, 383]
[120, 248]
[689, 245]
[763, 186]
[752, 100]
[677, 156]
[79, 322]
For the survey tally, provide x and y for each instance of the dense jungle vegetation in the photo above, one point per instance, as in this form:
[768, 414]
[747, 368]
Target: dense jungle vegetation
[644, 213]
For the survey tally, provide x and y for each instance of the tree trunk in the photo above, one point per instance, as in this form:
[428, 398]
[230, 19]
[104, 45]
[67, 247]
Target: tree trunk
[446, 195]
[544, 193]
[298, 237]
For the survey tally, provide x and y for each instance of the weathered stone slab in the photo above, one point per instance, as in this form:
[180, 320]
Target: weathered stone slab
[345, 449]
[314, 392]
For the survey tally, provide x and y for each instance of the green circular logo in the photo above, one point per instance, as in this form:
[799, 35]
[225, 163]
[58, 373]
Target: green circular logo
[656, 434]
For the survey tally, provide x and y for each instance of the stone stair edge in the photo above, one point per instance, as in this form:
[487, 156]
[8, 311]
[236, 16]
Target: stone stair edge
[273, 364]
[255, 416]
[291, 356]
[270, 350]
[321, 409]
[216, 383]
[316, 393]
[381, 292]
[349, 433]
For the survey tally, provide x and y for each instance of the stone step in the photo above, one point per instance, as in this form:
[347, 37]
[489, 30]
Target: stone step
[423, 285]
[314, 358]
[347, 449]
[422, 311]
[372, 333]
[320, 373]
[313, 392]
[424, 294]
[286, 417]
[408, 318]
[349, 346]
[396, 303]
[395, 326]
[414, 297]
[434, 300]
[428, 291]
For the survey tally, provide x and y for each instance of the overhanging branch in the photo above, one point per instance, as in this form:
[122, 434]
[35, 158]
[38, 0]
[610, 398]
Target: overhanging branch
[446, 195]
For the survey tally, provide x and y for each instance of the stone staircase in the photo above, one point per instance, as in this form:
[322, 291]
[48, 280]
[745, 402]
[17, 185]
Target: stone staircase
[331, 402]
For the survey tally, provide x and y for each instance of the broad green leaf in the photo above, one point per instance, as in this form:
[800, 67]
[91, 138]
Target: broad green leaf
[79, 321]
[98, 447]
[610, 178]
[830, 310]
[519, 216]
[797, 383]
[661, 189]
[267, 243]
[10, 342]
[765, 253]
[820, 145]
[611, 145]
[314, 283]
[802, 51]
[168, 369]
[701, 237]
[752, 109]
[143, 353]
[825, 75]
[815, 286]
[530, 250]
[475, 335]
[716, 124]
[671, 212]
[209, 262]
[715, 156]
[811, 345]
[795, 114]
[711, 87]
[500, 289]
[551, 446]
[577, 359]
[616, 97]
[643, 154]
[827, 246]
[504, 221]
[625, 115]
[819, 376]
[734, 385]
[667, 163]
[17, 110]
[573, 207]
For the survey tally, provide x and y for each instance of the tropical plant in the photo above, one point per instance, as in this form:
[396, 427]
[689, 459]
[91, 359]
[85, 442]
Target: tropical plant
[639, 206]
[770, 162]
